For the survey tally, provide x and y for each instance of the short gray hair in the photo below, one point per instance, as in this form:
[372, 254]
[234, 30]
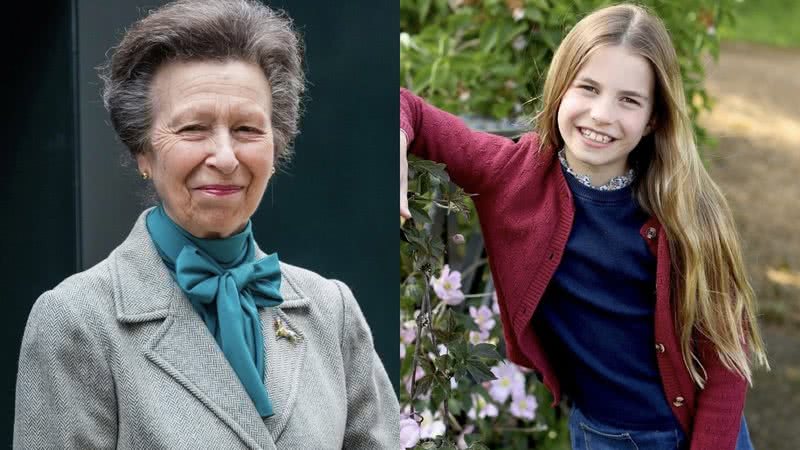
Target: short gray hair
[192, 30]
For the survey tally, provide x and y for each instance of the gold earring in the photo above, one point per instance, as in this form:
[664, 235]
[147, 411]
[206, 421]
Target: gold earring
[145, 176]
[273, 170]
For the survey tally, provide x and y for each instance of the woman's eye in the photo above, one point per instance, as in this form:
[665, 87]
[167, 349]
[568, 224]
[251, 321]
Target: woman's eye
[246, 129]
[588, 88]
[190, 128]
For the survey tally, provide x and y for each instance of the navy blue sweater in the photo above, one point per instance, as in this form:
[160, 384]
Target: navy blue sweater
[596, 316]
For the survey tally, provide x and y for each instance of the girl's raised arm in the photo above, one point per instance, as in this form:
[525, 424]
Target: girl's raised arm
[474, 159]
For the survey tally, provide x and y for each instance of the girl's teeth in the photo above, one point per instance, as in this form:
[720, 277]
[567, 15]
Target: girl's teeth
[595, 137]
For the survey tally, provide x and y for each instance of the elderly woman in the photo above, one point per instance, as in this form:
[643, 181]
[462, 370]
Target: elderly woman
[187, 335]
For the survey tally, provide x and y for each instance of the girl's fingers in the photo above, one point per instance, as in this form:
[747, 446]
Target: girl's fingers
[404, 212]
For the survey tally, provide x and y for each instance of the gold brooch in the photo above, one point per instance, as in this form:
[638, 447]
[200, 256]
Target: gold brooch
[282, 332]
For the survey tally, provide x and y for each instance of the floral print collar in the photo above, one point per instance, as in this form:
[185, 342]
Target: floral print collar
[613, 184]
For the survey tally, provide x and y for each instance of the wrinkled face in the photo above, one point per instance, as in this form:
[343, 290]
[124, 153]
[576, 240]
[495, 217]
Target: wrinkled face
[212, 144]
[606, 111]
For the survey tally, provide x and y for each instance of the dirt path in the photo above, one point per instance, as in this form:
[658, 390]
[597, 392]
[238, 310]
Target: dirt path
[757, 163]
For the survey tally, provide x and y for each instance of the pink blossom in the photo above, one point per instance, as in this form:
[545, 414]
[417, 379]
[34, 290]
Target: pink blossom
[495, 305]
[483, 317]
[409, 432]
[409, 381]
[448, 286]
[408, 331]
[524, 406]
[481, 408]
[509, 381]
[402, 350]
[431, 426]
[461, 442]
[477, 337]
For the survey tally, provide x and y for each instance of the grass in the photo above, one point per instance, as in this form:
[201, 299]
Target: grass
[772, 22]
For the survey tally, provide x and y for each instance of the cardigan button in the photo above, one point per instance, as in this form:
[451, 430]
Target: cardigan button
[678, 402]
[651, 233]
[660, 348]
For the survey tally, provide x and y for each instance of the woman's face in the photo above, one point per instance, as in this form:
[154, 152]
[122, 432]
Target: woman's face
[606, 111]
[212, 144]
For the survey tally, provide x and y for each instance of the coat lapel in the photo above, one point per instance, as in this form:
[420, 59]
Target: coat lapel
[284, 355]
[184, 349]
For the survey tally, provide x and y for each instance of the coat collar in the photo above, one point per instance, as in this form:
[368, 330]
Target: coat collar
[183, 347]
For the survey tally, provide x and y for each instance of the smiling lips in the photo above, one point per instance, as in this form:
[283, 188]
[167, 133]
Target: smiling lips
[220, 189]
[595, 136]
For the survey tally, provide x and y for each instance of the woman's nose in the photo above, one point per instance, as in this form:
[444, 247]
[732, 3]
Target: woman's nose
[223, 156]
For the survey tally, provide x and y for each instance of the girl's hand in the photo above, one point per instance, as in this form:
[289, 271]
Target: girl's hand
[404, 212]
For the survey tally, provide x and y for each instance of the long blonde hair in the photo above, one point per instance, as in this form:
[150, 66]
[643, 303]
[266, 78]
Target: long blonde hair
[714, 299]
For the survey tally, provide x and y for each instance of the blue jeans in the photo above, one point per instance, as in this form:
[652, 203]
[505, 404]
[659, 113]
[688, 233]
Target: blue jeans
[586, 434]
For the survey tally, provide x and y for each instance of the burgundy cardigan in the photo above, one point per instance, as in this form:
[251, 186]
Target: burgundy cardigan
[526, 211]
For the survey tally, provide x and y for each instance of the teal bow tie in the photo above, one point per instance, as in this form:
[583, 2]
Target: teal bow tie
[226, 295]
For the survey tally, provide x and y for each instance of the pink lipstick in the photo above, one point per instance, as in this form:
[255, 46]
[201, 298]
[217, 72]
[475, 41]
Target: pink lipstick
[220, 189]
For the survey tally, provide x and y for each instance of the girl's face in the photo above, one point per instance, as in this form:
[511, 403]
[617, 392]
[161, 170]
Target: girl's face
[606, 111]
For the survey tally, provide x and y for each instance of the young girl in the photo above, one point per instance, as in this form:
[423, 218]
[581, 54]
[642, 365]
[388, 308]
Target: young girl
[617, 266]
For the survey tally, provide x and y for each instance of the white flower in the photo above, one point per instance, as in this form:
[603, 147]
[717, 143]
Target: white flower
[477, 337]
[510, 380]
[519, 43]
[409, 432]
[448, 286]
[524, 407]
[518, 14]
[481, 408]
[402, 350]
[408, 331]
[495, 305]
[461, 442]
[455, 4]
[405, 40]
[483, 317]
[431, 427]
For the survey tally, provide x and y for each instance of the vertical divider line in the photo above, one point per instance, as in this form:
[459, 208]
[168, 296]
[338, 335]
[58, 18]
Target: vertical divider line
[77, 175]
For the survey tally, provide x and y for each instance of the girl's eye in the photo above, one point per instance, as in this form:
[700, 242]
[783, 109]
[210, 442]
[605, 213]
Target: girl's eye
[629, 100]
[588, 88]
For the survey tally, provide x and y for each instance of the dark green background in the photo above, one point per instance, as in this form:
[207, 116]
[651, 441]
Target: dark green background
[67, 199]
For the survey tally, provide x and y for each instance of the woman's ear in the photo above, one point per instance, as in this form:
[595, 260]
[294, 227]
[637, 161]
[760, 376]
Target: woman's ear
[144, 164]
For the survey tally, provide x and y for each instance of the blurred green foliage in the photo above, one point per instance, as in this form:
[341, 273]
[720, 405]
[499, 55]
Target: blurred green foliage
[490, 57]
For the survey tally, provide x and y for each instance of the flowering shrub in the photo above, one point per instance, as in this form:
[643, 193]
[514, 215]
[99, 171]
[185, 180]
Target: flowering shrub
[462, 393]
[487, 57]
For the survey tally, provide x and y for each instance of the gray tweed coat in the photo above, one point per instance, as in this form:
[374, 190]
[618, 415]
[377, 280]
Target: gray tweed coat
[115, 357]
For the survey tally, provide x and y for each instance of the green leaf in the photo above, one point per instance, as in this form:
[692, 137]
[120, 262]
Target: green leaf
[477, 446]
[479, 371]
[485, 350]
[418, 212]
[423, 385]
